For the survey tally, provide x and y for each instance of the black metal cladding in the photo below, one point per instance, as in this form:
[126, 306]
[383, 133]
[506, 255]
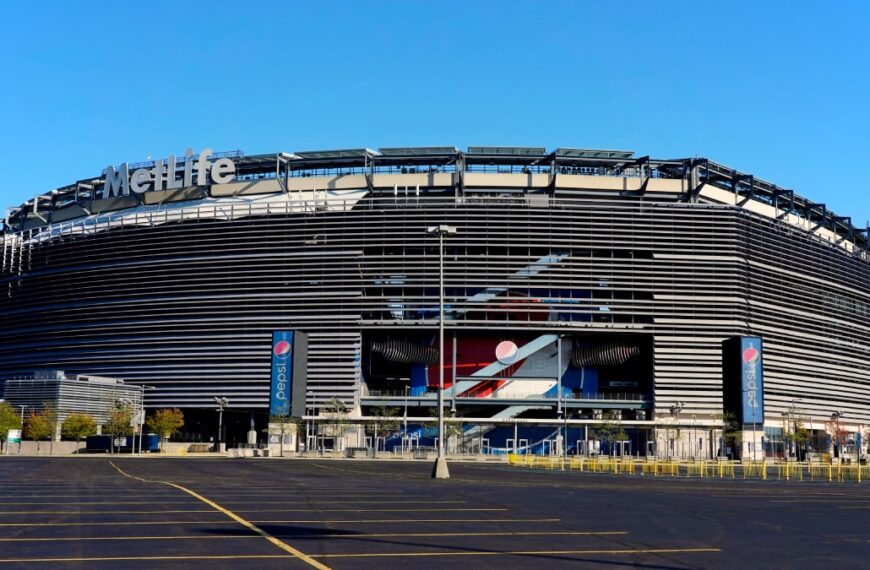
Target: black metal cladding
[189, 306]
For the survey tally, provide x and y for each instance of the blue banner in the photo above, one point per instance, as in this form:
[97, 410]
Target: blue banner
[282, 373]
[752, 377]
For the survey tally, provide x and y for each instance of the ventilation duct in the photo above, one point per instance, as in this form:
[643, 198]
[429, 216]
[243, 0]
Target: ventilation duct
[603, 355]
[405, 352]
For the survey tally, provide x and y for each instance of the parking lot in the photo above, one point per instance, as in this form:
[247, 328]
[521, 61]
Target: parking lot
[263, 513]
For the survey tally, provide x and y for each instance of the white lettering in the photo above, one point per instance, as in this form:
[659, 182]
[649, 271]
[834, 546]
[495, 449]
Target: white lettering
[223, 171]
[172, 183]
[188, 167]
[117, 183]
[158, 175]
[140, 180]
[202, 167]
[121, 182]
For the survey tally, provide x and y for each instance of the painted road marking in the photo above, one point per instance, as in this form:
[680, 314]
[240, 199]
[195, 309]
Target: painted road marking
[247, 502]
[523, 552]
[312, 510]
[279, 543]
[77, 513]
[373, 555]
[305, 521]
[329, 535]
[134, 558]
[829, 501]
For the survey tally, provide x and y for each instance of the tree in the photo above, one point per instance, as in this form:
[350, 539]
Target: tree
[335, 419]
[119, 423]
[283, 425]
[78, 426]
[609, 432]
[732, 434]
[40, 424]
[451, 429]
[165, 422]
[386, 423]
[9, 419]
[797, 433]
[837, 433]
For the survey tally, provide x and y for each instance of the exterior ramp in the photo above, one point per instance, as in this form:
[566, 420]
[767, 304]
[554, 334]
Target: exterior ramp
[506, 414]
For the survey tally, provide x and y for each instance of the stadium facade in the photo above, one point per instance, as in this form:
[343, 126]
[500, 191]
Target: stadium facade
[580, 285]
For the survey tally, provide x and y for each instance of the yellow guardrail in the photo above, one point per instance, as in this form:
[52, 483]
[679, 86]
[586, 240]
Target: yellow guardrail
[788, 471]
[821, 471]
[696, 469]
[755, 470]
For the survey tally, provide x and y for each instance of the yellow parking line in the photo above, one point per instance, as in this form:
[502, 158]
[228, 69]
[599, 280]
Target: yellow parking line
[405, 521]
[247, 502]
[279, 543]
[77, 513]
[522, 552]
[312, 510]
[133, 558]
[316, 510]
[303, 521]
[325, 535]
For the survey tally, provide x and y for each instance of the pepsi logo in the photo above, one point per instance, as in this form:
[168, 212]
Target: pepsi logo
[751, 355]
[282, 349]
[507, 352]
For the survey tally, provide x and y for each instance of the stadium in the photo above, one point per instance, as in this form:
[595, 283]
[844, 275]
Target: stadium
[581, 289]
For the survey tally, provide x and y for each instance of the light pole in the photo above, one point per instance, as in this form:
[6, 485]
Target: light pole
[222, 402]
[405, 421]
[309, 403]
[142, 415]
[440, 470]
[675, 411]
[21, 439]
[836, 417]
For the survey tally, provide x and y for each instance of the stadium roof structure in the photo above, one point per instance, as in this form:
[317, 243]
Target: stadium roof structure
[601, 162]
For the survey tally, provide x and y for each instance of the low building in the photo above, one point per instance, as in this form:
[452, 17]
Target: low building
[96, 396]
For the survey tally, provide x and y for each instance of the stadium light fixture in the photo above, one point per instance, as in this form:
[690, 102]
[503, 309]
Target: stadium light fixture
[142, 414]
[222, 402]
[440, 470]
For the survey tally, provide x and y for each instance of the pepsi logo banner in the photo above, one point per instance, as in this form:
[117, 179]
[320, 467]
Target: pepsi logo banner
[752, 378]
[282, 373]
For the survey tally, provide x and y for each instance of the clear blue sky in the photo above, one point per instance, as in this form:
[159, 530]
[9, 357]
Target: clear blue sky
[777, 89]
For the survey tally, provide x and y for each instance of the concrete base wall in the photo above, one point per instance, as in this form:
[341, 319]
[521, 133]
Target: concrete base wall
[45, 448]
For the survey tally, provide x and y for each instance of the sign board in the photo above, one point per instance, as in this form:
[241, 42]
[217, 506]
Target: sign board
[282, 373]
[138, 418]
[743, 379]
[14, 436]
[289, 373]
[163, 175]
[752, 380]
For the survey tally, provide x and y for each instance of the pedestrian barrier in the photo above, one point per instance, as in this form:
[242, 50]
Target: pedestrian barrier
[696, 469]
[787, 471]
[755, 470]
[577, 463]
[821, 471]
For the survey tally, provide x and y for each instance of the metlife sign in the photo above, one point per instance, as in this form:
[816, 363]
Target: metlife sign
[165, 175]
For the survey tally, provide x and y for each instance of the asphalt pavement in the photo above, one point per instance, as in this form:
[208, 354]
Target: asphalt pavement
[125, 512]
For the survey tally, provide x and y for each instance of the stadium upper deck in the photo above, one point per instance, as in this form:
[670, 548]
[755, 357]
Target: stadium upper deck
[447, 168]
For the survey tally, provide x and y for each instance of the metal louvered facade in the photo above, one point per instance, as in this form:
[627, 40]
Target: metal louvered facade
[184, 296]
